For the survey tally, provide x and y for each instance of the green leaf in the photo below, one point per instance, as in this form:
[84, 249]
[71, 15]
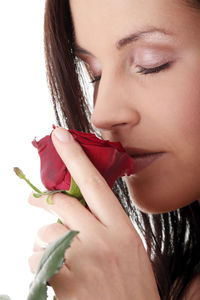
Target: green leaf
[59, 221]
[74, 190]
[37, 195]
[38, 290]
[4, 297]
[49, 199]
[49, 265]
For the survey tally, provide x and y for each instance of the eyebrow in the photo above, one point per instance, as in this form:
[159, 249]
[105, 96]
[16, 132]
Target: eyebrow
[128, 39]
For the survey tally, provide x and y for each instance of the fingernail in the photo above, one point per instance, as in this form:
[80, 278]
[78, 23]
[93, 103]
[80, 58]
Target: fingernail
[62, 135]
[40, 243]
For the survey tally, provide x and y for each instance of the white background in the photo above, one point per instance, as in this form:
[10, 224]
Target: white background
[25, 112]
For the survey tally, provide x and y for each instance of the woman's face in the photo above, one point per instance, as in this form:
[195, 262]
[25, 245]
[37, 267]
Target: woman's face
[152, 112]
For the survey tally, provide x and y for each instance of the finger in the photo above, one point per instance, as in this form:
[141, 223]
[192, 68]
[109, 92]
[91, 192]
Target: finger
[71, 212]
[48, 234]
[34, 260]
[62, 283]
[98, 195]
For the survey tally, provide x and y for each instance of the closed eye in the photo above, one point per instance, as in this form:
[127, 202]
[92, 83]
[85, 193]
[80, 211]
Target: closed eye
[96, 78]
[146, 71]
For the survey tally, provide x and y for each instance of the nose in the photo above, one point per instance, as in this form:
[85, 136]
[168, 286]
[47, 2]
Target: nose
[114, 107]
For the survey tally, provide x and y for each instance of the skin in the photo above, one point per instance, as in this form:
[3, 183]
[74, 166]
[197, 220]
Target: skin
[97, 266]
[158, 112]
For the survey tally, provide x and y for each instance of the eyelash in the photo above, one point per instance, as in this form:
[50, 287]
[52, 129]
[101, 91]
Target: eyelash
[96, 78]
[144, 71]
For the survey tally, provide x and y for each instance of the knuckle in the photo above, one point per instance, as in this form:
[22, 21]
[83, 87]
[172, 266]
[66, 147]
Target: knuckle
[42, 231]
[107, 252]
[132, 239]
[60, 204]
[56, 227]
[60, 198]
[94, 181]
[65, 202]
[53, 229]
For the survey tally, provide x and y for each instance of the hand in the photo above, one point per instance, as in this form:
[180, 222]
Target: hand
[107, 259]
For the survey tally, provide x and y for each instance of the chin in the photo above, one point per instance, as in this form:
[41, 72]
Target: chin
[156, 206]
[158, 192]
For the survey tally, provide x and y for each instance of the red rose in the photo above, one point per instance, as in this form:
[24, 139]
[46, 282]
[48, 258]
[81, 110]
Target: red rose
[109, 158]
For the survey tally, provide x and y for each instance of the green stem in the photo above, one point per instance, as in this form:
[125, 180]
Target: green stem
[74, 191]
[21, 175]
[82, 200]
[33, 187]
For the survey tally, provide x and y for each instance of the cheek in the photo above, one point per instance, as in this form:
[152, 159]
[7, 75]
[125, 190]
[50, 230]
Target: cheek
[174, 117]
[178, 107]
[186, 109]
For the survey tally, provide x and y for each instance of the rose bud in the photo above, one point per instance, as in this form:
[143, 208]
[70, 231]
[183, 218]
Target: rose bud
[109, 158]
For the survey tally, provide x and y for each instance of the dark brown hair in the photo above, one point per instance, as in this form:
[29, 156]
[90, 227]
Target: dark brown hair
[172, 239]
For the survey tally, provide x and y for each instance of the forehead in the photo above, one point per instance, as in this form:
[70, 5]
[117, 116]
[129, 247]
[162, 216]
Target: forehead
[101, 23]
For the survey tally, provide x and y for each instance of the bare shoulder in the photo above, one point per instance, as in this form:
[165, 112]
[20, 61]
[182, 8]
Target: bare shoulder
[193, 292]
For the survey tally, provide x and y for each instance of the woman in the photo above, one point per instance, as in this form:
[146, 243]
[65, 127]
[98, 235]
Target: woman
[143, 58]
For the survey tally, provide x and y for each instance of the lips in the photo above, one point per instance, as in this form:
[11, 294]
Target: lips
[143, 158]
